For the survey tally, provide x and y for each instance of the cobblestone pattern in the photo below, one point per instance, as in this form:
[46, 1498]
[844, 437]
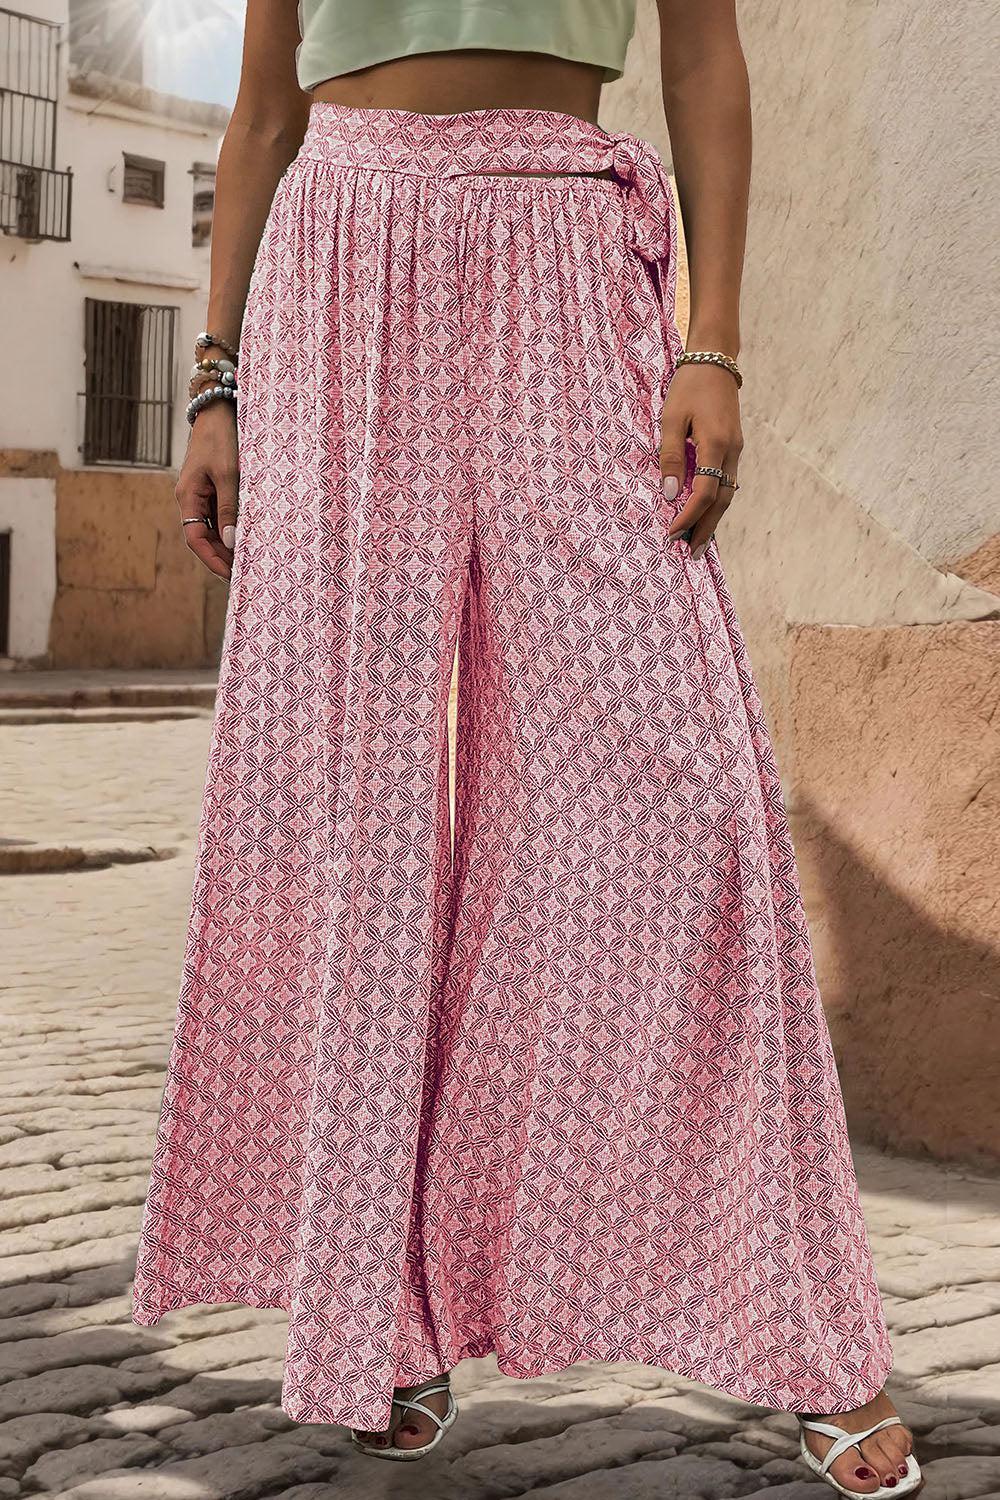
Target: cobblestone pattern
[95, 1408]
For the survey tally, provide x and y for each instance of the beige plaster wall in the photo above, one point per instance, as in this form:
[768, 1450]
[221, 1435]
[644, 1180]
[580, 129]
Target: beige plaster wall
[873, 251]
[864, 550]
[896, 813]
[27, 520]
[129, 593]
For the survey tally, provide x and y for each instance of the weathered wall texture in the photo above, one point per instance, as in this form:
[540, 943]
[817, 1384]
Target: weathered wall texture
[129, 593]
[867, 533]
[896, 812]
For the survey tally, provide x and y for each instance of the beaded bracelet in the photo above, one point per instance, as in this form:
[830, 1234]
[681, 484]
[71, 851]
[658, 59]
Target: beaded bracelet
[216, 371]
[203, 366]
[711, 357]
[195, 389]
[212, 341]
[206, 397]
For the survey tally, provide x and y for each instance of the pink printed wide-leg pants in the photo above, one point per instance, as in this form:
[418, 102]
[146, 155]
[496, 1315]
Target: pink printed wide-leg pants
[565, 1089]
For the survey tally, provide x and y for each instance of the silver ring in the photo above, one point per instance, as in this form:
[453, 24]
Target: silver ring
[728, 482]
[713, 473]
[197, 521]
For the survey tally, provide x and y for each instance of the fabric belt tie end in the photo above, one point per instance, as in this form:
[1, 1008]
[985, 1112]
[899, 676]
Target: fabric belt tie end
[650, 197]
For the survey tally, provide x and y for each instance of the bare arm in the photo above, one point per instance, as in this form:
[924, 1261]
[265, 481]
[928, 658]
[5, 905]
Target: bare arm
[263, 135]
[706, 97]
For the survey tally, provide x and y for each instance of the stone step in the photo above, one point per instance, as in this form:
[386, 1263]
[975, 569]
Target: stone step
[122, 715]
[107, 689]
[19, 857]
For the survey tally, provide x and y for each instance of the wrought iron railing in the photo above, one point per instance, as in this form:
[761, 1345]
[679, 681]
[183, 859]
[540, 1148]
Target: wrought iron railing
[35, 202]
[35, 196]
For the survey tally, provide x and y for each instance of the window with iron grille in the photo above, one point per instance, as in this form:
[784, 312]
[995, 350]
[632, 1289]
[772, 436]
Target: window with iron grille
[34, 196]
[144, 180]
[128, 401]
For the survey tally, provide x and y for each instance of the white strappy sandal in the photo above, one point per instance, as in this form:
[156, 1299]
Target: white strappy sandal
[841, 1442]
[410, 1403]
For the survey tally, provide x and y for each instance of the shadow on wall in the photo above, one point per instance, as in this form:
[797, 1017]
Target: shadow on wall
[911, 1005]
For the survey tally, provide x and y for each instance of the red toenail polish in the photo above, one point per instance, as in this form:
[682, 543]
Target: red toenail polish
[902, 1471]
[864, 1473]
[890, 1481]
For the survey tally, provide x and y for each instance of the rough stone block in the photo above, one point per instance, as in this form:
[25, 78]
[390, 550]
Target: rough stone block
[512, 1468]
[256, 1384]
[146, 1418]
[215, 1353]
[249, 1473]
[60, 1471]
[681, 1478]
[24, 1439]
[799, 1489]
[968, 1346]
[735, 1450]
[84, 1388]
[228, 1429]
[491, 1417]
[89, 1346]
[960, 1478]
[698, 1418]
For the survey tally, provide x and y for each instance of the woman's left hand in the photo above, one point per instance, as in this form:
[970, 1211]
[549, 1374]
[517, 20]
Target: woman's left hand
[702, 406]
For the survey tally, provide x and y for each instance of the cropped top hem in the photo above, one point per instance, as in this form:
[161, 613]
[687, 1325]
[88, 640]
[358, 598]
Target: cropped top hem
[337, 50]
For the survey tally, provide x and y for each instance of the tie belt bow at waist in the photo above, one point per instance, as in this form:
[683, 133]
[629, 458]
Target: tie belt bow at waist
[517, 142]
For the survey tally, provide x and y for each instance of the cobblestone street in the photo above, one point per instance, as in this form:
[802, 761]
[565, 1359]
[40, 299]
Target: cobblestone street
[99, 810]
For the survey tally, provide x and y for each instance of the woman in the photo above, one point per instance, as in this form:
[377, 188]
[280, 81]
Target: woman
[557, 1086]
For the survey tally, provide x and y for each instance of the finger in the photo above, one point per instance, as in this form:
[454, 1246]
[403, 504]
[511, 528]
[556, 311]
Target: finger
[208, 549]
[194, 493]
[707, 525]
[674, 426]
[704, 493]
[227, 506]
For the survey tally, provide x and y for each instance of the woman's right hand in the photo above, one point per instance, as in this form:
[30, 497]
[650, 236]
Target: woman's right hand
[208, 486]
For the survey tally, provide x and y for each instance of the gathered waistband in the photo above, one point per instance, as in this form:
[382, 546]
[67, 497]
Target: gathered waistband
[518, 142]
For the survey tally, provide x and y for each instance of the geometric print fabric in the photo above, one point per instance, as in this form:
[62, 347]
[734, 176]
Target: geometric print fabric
[560, 1087]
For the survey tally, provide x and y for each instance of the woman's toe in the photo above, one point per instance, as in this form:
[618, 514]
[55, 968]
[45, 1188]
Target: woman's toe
[851, 1469]
[413, 1433]
[896, 1453]
[882, 1456]
[854, 1472]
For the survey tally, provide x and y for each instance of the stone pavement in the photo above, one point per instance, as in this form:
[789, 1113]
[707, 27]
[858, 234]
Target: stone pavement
[95, 1408]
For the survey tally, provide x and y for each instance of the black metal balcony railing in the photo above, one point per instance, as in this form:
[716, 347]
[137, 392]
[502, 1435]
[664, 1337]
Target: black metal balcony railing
[34, 194]
[35, 202]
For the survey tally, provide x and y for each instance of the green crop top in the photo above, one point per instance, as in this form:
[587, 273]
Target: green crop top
[339, 36]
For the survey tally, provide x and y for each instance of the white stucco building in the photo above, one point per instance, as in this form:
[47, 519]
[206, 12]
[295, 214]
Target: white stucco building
[106, 191]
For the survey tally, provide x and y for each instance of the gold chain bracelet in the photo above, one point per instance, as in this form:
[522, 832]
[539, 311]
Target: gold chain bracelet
[711, 357]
